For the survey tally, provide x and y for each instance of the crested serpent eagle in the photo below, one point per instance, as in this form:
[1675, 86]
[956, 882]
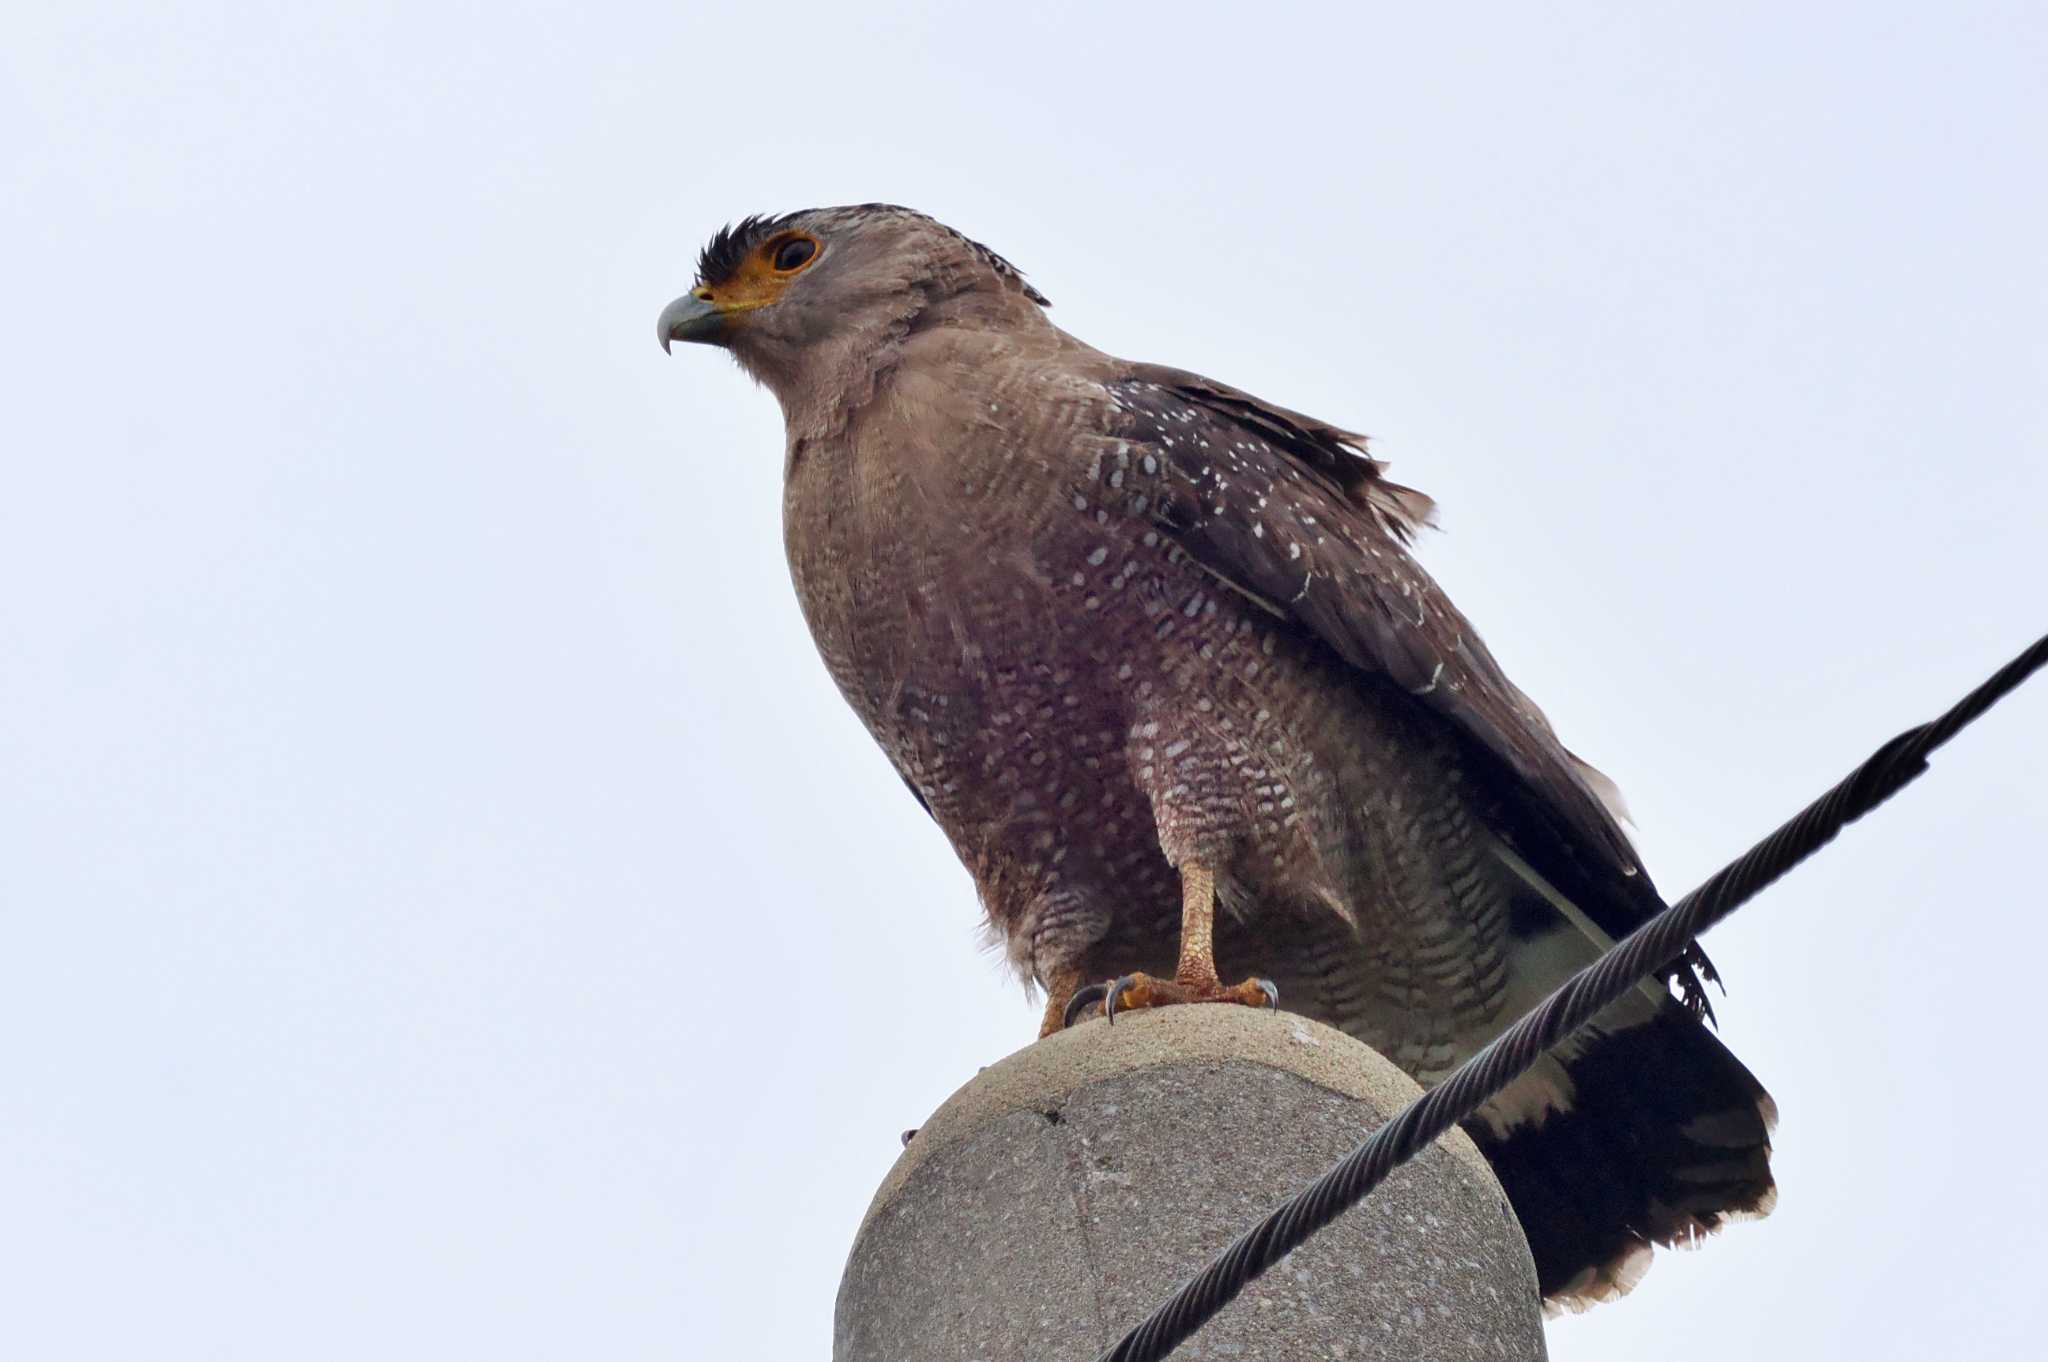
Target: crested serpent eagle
[1155, 656]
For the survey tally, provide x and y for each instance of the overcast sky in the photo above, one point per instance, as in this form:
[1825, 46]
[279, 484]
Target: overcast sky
[447, 910]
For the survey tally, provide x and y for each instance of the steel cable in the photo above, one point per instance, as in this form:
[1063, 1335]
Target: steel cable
[1650, 947]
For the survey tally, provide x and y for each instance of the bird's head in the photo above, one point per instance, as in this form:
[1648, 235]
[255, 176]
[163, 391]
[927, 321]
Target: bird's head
[809, 301]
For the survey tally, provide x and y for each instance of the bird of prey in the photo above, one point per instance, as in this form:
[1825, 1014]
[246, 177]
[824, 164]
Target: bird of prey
[1154, 655]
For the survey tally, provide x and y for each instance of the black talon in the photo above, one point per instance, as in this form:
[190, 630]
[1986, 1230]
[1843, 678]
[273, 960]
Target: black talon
[1092, 993]
[1272, 992]
[1116, 990]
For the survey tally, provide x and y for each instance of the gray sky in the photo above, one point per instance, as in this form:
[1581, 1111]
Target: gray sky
[448, 911]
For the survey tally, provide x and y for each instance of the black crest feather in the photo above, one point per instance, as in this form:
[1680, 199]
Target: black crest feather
[730, 244]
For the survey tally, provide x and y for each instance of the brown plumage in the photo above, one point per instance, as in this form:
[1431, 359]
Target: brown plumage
[1127, 633]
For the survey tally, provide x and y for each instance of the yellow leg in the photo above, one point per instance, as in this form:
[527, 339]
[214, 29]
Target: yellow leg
[1194, 977]
[1197, 968]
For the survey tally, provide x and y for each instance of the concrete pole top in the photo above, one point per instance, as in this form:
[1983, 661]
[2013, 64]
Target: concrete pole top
[1051, 1202]
[1041, 1076]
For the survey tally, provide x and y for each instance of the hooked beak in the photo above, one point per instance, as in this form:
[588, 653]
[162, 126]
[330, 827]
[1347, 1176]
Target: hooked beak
[690, 318]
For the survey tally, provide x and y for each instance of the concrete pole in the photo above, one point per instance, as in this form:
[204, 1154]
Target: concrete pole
[1063, 1193]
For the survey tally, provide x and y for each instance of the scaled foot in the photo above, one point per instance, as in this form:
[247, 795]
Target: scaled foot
[1135, 991]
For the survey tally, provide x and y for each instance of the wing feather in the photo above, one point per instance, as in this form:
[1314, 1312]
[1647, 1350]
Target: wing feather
[1293, 513]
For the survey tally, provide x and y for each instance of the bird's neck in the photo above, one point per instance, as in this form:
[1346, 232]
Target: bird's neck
[824, 386]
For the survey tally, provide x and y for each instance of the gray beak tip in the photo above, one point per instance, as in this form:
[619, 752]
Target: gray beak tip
[689, 318]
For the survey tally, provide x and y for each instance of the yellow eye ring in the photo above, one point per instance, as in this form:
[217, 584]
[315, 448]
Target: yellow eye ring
[792, 254]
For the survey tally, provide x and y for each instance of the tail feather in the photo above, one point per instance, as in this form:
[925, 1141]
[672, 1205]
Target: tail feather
[1639, 1129]
[1661, 1136]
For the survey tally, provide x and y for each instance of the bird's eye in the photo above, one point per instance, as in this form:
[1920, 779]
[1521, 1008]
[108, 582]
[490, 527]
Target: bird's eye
[794, 254]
